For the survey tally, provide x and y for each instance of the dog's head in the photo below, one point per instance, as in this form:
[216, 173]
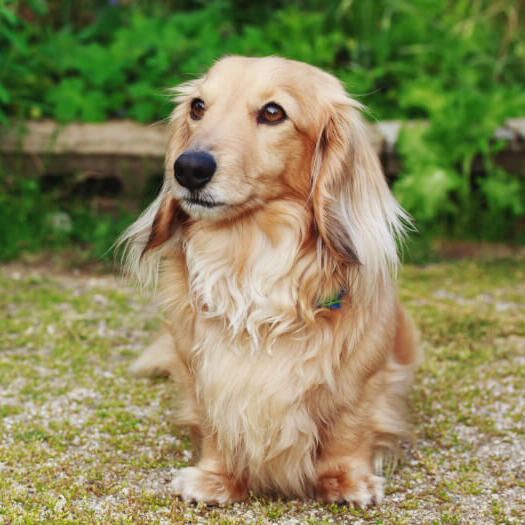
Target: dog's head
[242, 136]
[254, 130]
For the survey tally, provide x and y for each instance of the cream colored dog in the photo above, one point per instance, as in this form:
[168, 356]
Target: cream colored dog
[274, 239]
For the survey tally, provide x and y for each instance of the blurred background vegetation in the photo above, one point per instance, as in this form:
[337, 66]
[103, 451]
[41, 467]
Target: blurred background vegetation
[459, 64]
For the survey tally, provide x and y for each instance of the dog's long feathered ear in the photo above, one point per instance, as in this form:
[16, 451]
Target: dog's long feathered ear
[168, 218]
[358, 219]
[151, 236]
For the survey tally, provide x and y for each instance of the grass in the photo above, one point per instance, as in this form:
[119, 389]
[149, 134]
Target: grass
[82, 442]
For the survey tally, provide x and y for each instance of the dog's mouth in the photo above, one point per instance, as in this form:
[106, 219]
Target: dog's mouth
[205, 203]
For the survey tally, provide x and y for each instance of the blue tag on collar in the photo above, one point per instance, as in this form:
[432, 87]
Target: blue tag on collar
[335, 301]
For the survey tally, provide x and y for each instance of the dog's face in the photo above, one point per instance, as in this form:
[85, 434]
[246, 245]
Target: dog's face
[245, 134]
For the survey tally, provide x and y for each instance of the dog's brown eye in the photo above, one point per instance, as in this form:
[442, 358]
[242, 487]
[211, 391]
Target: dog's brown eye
[197, 109]
[271, 114]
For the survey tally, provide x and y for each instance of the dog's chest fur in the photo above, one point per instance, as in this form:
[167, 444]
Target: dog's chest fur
[253, 372]
[246, 279]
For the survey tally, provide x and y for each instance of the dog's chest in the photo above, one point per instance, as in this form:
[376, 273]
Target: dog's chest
[255, 401]
[245, 281]
[251, 370]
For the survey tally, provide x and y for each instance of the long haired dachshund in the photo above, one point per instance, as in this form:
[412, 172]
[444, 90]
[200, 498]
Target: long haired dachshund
[273, 246]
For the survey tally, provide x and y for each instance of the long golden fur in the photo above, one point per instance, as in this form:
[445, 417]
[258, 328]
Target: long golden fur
[281, 394]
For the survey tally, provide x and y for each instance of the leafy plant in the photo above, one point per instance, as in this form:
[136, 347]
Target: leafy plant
[464, 105]
[33, 220]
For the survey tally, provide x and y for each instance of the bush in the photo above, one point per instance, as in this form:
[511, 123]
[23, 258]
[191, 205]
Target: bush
[33, 220]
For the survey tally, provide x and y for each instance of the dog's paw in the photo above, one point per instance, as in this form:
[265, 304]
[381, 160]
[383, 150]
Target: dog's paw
[196, 485]
[357, 487]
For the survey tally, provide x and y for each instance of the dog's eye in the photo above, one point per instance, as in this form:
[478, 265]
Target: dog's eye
[197, 109]
[271, 114]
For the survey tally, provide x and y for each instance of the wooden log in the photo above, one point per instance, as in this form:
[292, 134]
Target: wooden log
[133, 152]
[119, 137]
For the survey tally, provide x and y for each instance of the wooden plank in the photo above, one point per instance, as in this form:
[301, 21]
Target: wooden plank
[120, 137]
[126, 137]
[133, 151]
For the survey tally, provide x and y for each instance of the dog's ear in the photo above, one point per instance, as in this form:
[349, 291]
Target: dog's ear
[357, 217]
[154, 234]
[168, 218]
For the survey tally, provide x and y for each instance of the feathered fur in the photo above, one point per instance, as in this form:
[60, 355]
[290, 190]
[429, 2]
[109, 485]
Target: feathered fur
[281, 395]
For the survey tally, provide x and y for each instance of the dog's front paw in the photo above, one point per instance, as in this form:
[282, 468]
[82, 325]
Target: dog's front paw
[357, 487]
[195, 484]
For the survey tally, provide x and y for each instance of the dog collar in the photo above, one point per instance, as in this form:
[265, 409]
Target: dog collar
[335, 301]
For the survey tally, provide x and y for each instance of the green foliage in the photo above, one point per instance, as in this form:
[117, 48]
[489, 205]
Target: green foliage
[436, 184]
[458, 65]
[31, 220]
[18, 203]
[404, 58]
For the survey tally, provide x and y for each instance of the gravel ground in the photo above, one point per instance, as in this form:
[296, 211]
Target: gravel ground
[82, 442]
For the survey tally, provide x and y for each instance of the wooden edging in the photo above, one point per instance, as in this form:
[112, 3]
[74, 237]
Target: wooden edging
[132, 151]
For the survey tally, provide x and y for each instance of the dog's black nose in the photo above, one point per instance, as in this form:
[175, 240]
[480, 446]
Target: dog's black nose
[194, 169]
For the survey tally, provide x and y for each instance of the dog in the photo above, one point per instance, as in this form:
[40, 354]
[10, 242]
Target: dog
[273, 246]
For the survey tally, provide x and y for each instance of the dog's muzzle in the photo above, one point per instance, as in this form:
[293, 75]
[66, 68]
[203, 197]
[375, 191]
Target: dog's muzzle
[194, 169]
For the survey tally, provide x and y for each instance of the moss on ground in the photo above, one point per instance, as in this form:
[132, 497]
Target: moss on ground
[82, 442]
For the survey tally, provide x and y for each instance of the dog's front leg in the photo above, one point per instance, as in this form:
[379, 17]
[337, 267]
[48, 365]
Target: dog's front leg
[209, 482]
[346, 475]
